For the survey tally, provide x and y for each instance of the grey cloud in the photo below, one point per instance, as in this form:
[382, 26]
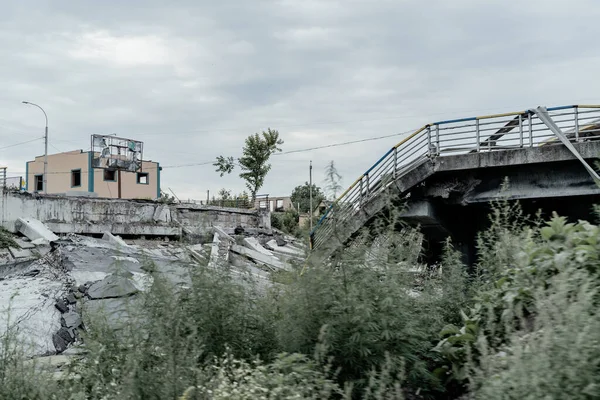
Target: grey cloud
[193, 78]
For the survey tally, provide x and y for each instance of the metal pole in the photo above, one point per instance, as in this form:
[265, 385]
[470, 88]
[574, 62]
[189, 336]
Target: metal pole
[477, 135]
[530, 129]
[395, 162]
[576, 111]
[119, 182]
[429, 141]
[45, 179]
[4, 177]
[520, 130]
[310, 194]
[361, 193]
[46, 159]
[437, 140]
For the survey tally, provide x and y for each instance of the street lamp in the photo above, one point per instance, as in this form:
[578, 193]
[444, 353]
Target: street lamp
[45, 145]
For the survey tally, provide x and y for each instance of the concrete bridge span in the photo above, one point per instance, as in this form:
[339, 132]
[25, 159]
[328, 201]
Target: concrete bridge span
[446, 175]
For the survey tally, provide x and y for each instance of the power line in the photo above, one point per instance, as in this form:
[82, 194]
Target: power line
[286, 152]
[343, 143]
[19, 144]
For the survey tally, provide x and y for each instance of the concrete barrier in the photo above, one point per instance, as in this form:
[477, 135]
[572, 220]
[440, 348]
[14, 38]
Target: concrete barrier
[85, 215]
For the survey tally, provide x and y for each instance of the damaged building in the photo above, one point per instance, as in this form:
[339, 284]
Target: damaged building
[73, 172]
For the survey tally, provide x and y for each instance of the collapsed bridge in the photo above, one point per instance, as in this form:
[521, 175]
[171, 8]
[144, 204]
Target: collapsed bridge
[447, 173]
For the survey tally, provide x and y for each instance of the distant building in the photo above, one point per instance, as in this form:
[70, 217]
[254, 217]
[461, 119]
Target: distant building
[318, 211]
[72, 172]
[322, 207]
[274, 204]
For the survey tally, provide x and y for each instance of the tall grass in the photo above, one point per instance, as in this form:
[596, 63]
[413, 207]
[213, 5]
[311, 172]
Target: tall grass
[374, 323]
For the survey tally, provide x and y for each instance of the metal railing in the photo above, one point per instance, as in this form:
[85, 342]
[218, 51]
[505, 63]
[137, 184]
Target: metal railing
[242, 203]
[460, 136]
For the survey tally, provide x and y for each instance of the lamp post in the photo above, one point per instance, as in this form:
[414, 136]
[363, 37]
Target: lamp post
[45, 146]
[310, 212]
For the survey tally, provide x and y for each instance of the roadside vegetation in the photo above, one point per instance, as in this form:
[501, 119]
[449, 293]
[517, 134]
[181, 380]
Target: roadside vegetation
[374, 323]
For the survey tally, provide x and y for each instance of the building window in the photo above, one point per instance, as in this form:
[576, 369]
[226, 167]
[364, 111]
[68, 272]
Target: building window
[39, 183]
[279, 205]
[142, 178]
[75, 178]
[110, 175]
[262, 204]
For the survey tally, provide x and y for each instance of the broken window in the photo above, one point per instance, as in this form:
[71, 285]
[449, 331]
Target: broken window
[75, 178]
[279, 205]
[142, 178]
[110, 175]
[39, 183]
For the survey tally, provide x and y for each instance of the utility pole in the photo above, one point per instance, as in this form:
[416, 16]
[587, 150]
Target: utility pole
[310, 213]
[45, 146]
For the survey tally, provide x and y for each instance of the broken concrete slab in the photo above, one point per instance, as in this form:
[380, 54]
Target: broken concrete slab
[223, 234]
[128, 259]
[20, 253]
[197, 256]
[197, 247]
[162, 213]
[115, 240]
[70, 298]
[61, 306]
[29, 303]
[34, 229]
[289, 250]
[71, 320]
[219, 251]
[40, 242]
[280, 240]
[110, 287]
[254, 244]
[261, 258]
[60, 343]
[117, 312]
[24, 245]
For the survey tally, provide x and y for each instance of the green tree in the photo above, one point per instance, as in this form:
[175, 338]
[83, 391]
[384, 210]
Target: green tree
[225, 194]
[333, 179]
[254, 162]
[301, 196]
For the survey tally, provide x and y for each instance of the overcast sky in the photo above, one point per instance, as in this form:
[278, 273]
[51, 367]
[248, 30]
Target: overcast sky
[193, 78]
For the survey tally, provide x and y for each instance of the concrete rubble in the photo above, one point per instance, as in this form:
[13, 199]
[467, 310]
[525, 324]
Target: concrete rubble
[257, 248]
[34, 229]
[259, 257]
[50, 285]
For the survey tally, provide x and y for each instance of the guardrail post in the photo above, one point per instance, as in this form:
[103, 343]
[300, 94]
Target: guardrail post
[437, 140]
[429, 152]
[477, 135]
[395, 162]
[576, 114]
[367, 191]
[360, 198]
[530, 120]
[520, 130]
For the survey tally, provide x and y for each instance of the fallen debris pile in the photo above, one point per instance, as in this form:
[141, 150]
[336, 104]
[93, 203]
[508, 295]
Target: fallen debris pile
[266, 250]
[50, 289]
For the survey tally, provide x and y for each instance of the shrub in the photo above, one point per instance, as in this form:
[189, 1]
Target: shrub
[367, 315]
[558, 359]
